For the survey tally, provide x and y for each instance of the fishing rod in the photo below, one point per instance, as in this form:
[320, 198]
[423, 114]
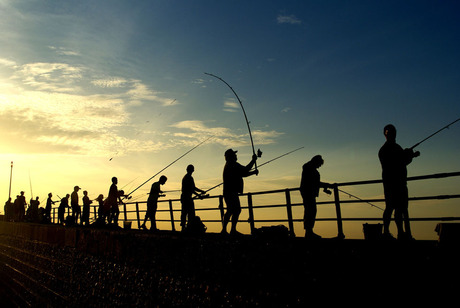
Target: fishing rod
[168, 166]
[259, 152]
[360, 199]
[447, 126]
[269, 161]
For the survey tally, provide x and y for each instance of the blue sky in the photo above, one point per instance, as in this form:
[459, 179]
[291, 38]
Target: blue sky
[85, 81]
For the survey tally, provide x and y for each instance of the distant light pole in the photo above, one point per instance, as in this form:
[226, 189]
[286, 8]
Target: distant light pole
[11, 176]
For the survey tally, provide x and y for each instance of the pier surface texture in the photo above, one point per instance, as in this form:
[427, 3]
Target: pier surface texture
[57, 266]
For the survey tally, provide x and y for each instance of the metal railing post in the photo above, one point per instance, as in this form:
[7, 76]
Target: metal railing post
[289, 213]
[137, 215]
[339, 213]
[221, 208]
[124, 212]
[171, 213]
[251, 213]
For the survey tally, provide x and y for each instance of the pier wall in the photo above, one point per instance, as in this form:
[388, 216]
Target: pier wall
[73, 266]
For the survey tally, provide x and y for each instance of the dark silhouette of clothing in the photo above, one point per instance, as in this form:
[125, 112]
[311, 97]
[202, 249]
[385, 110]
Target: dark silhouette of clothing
[49, 205]
[20, 207]
[86, 208]
[76, 210]
[233, 186]
[152, 203]
[9, 210]
[63, 205]
[310, 185]
[112, 202]
[188, 189]
[102, 213]
[394, 160]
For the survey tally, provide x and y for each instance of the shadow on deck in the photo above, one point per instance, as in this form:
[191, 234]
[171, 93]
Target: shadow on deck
[75, 266]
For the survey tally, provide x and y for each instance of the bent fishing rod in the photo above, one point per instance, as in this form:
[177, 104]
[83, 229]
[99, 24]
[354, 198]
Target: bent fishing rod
[438, 131]
[259, 152]
[126, 196]
[269, 161]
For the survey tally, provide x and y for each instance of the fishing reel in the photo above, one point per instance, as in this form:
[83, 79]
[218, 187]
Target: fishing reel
[121, 193]
[202, 196]
[259, 153]
[327, 191]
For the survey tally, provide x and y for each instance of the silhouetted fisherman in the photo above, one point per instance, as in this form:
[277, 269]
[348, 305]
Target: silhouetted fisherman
[310, 185]
[233, 185]
[102, 213]
[394, 175]
[76, 210]
[152, 203]
[21, 206]
[188, 189]
[49, 206]
[33, 210]
[86, 208]
[9, 210]
[112, 201]
[63, 205]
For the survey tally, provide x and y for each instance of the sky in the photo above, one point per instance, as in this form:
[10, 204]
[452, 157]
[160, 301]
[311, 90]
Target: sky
[95, 89]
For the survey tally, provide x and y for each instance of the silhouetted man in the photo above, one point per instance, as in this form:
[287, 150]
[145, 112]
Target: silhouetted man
[21, 208]
[63, 205]
[76, 211]
[152, 203]
[112, 201]
[233, 185]
[48, 207]
[310, 184]
[9, 210]
[394, 175]
[86, 208]
[188, 189]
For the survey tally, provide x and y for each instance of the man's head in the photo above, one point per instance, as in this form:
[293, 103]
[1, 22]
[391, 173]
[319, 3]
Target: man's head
[230, 155]
[390, 132]
[163, 179]
[317, 161]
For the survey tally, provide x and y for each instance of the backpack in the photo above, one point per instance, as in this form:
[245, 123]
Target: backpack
[196, 226]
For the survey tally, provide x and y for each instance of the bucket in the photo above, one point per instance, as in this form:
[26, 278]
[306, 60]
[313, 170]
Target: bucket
[127, 224]
[372, 231]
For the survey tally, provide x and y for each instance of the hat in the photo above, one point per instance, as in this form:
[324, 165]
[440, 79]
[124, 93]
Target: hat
[76, 187]
[230, 152]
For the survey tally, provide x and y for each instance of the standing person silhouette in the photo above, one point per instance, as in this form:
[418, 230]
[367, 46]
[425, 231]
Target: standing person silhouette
[86, 208]
[76, 211]
[61, 209]
[310, 184]
[188, 189]
[49, 206]
[112, 202]
[152, 203]
[394, 175]
[233, 185]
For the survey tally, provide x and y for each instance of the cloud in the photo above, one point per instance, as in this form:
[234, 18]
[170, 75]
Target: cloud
[287, 109]
[7, 63]
[113, 82]
[197, 130]
[288, 19]
[231, 106]
[63, 51]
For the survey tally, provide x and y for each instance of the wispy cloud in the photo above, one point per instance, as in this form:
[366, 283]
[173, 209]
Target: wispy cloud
[64, 51]
[231, 106]
[288, 19]
[196, 130]
[114, 82]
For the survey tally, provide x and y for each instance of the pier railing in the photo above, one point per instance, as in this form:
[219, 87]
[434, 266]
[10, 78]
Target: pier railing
[131, 212]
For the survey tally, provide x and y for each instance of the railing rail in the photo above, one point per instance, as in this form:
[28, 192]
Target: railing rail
[288, 204]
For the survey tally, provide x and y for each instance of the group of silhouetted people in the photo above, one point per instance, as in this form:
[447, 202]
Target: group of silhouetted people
[392, 157]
